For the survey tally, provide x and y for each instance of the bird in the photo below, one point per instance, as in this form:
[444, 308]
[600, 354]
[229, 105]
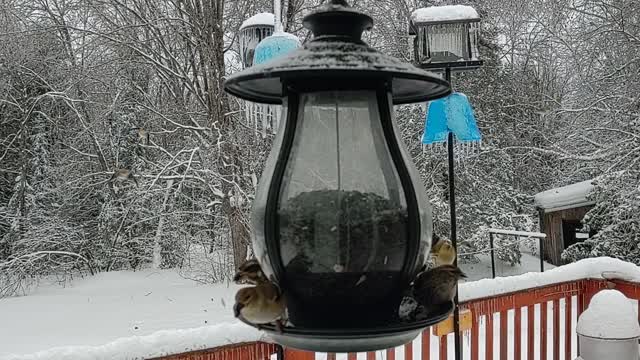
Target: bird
[143, 136]
[436, 287]
[250, 272]
[122, 175]
[443, 252]
[260, 304]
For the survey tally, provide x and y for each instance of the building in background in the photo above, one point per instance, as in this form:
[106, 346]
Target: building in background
[561, 212]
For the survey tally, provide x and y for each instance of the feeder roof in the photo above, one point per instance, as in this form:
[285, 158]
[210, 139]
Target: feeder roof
[262, 19]
[610, 316]
[444, 14]
[337, 51]
[566, 197]
[276, 45]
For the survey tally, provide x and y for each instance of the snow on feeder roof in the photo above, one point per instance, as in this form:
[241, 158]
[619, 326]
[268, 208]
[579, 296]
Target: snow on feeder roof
[566, 197]
[446, 37]
[448, 13]
[610, 315]
[252, 31]
[278, 44]
[262, 19]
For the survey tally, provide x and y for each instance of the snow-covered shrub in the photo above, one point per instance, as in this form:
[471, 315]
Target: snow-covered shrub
[615, 217]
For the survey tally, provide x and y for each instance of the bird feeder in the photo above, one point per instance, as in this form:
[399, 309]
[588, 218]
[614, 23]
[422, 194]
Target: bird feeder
[446, 37]
[340, 220]
[266, 118]
[252, 31]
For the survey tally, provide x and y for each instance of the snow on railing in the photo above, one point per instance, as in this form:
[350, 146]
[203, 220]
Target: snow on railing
[225, 338]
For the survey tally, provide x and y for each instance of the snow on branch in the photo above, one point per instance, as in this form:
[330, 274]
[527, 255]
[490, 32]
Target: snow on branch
[40, 254]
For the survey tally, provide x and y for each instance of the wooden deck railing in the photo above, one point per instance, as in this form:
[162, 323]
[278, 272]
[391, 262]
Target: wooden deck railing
[516, 326]
[245, 351]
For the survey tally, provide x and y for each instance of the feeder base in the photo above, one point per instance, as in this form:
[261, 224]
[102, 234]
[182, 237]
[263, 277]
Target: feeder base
[355, 339]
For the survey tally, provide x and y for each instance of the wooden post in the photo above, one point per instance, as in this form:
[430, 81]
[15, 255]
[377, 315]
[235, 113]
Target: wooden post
[541, 240]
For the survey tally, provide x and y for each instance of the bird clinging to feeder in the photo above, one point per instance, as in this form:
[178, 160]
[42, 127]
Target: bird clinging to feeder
[443, 253]
[435, 288]
[260, 304]
[250, 272]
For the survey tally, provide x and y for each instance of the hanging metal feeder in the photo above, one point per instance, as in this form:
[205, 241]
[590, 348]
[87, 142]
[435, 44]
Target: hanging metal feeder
[340, 220]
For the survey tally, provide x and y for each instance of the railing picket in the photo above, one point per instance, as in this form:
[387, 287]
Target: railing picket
[443, 347]
[391, 354]
[568, 333]
[489, 337]
[517, 336]
[531, 331]
[475, 348]
[504, 330]
[556, 329]
[543, 331]
[426, 344]
[408, 351]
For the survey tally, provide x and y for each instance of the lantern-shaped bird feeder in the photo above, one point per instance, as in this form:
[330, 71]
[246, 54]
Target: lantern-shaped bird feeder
[446, 37]
[340, 220]
[252, 31]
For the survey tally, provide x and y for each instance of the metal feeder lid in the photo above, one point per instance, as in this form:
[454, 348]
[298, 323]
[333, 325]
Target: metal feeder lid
[278, 44]
[336, 50]
[610, 316]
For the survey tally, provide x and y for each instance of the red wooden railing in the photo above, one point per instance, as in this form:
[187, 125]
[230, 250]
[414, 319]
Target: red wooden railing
[515, 326]
[245, 351]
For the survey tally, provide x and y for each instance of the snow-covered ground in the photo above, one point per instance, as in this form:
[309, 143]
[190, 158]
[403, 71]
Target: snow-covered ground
[134, 315]
[136, 310]
[482, 269]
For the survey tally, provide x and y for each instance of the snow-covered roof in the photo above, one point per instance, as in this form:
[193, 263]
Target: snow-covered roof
[261, 19]
[566, 197]
[610, 316]
[447, 13]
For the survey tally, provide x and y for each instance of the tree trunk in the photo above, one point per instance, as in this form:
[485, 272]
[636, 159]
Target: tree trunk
[157, 254]
[228, 160]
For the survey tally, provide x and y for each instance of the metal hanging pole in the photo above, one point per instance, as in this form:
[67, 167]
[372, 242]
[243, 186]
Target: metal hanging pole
[454, 235]
[493, 256]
